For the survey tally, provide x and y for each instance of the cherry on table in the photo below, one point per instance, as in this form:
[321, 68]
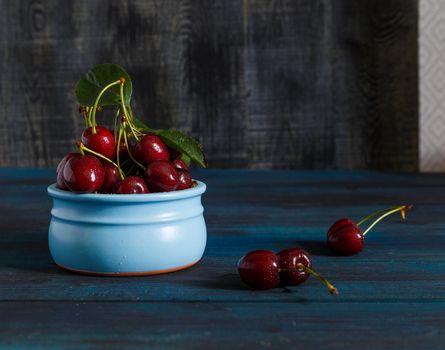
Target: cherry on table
[132, 185]
[83, 174]
[263, 269]
[345, 237]
[288, 262]
[259, 269]
[101, 142]
[161, 177]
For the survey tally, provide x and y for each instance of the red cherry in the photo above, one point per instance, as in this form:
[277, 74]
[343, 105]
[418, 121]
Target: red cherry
[288, 259]
[345, 237]
[259, 269]
[132, 185]
[59, 171]
[83, 174]
[111, 178]
[161, 177]
[150, 149]
[180, 165]
[101, 142]
[174, 154]
[185, 180]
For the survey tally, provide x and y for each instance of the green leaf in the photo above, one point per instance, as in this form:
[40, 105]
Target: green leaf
[178, 141]
[89, 86]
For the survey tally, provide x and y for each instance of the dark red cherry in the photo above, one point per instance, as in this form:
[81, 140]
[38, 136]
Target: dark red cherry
[150, 149]
[111, 178]
[345, 237]
[185, 180]
[161, 177]
[259, 269]
[180, 165]
[101, 142]
[132, 185]
[83, 174]
[288, 259]
[59, 171]
[174, 154]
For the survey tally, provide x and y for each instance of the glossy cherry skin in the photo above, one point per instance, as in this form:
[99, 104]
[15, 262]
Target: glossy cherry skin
[101, 142]
[59, 171]
[180, 165]
[288, 259]
[132, 185]
[259, 269]
[161, 177]
[150, 149]
[111, 178]
[185, 180]
[83, 174]
[345, 237]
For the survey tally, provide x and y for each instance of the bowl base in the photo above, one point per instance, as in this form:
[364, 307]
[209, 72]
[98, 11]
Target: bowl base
[126, 274]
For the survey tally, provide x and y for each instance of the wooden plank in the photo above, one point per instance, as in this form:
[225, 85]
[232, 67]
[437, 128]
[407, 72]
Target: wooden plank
[70, 325]
[280, 84]
[401, 262]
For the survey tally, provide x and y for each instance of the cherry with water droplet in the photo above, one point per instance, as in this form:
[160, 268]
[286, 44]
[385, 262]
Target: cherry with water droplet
[259, 269]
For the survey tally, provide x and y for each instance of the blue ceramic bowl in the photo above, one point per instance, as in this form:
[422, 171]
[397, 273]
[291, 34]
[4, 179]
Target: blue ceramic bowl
[141, 234]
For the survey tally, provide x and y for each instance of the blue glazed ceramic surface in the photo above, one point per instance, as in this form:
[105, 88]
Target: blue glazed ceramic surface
[127, 234]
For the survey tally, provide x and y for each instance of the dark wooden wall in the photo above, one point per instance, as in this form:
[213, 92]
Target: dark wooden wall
[270, 84]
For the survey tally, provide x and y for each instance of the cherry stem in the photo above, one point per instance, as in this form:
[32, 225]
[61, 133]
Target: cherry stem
[402, 209]
[90, 111]
[83, 148]
[128, 116]
[93, 120]
[116, 122]
[128, 147]
[302, 267]
[375, 214]
[119, 147]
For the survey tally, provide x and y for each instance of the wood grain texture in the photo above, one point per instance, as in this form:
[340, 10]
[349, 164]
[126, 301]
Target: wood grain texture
[391, 294]
[263, 84]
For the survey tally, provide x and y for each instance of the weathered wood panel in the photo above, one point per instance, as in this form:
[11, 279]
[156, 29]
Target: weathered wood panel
[268, 84]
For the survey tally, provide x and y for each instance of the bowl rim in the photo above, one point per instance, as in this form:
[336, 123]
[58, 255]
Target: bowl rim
[55, 192]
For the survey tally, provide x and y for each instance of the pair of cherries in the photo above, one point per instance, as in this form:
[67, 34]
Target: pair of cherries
[263, 269]
[162, 169]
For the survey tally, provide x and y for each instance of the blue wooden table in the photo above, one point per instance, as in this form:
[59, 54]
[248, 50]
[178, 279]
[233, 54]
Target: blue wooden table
[392, 295]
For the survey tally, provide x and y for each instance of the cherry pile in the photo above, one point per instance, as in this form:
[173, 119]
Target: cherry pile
[263, 269]
[122, 161]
